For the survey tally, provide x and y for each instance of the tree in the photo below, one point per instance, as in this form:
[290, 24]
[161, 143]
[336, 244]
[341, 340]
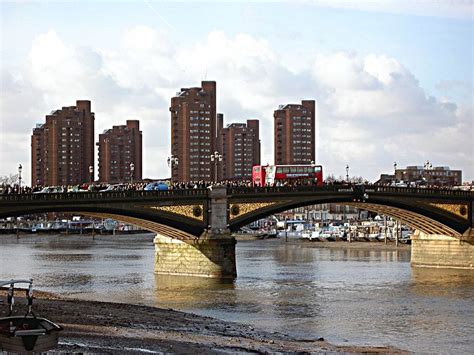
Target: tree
[330, 179]
[11, 179]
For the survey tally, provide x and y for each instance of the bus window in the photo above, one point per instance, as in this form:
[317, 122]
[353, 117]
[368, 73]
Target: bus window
[285, 169]
[300, 169]
[279, 170]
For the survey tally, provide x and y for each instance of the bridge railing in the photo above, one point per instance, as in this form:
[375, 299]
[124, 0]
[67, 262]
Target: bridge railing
[417, 190]
[112, 195]
[284, 189]
[117, 195]
[348, 188]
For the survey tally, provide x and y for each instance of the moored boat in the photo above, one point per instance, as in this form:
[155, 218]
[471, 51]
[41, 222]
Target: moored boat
[28, 333]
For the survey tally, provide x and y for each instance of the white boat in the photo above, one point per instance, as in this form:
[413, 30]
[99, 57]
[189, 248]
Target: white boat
[373, 237]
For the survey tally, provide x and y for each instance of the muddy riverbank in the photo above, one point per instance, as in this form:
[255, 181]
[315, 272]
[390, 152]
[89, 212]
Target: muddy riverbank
[103, 327]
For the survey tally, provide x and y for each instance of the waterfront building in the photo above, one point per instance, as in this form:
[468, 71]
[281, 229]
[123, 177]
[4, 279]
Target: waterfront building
[294, 133]
[62, 148]
[329, 212]
[423, 175]
[120, 153]
[438, 176]
[240, 150]
[194, 132]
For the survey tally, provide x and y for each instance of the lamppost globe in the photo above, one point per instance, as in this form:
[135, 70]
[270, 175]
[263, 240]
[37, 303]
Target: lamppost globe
[132, 169]
[172, 161]
[215, 159]
[91, 172]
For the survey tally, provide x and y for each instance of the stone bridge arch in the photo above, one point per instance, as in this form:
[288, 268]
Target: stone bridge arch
[181, 214]
[429, 223]
[440, 215]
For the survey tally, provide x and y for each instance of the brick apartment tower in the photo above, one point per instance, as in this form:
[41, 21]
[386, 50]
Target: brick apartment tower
[119, 147]
[194, 132]
[241, 150]
[62, 149]
[294, 133]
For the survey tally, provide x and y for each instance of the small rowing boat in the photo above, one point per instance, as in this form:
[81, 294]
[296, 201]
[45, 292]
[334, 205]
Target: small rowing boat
[28, 333]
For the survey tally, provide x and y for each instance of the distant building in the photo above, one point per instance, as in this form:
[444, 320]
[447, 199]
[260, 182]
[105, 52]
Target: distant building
[194, 132]
[324, 212]
[439, 176]
[423, 175]
[240, 150]
[294, 133]
[62, 149]
[120, 150]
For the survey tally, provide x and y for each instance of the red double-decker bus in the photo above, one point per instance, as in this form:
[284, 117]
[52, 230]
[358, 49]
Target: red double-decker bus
[272, 175]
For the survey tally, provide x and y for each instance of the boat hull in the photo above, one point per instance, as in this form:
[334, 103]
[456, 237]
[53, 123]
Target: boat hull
[24, 334]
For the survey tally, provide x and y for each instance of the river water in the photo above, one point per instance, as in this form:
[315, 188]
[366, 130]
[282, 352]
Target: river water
[357, 297]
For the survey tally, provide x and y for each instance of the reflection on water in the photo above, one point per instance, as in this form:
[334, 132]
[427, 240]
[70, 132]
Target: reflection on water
[451, 283]
[186, 290]
[361, 296]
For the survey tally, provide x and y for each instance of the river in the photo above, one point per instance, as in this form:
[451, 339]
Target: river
[360, 297]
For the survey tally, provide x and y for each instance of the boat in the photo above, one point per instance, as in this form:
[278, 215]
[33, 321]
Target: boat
[28, 333]
[373, 237]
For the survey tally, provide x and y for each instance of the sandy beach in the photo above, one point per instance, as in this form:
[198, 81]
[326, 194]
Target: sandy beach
[101, 327]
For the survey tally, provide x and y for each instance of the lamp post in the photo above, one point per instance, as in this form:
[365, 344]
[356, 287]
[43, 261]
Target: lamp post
[395, 171]
[215, 159]
[347, 173]
[91, 173]
[172, 160]
[132, 169]
[313, 178]
[20, 168]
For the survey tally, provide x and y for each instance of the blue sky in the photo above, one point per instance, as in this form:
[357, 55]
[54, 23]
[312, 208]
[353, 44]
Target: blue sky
[380, 52]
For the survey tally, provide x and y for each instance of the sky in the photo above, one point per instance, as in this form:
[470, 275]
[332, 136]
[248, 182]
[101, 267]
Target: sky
[392, 79]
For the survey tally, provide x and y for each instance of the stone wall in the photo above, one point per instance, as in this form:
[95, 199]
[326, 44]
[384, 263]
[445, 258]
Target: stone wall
[202, 257]
[432, 250]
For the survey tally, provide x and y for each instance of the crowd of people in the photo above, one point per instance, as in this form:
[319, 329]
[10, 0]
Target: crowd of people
[8, 189]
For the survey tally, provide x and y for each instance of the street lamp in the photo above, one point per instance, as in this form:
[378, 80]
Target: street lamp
[215, 159]
[132, 169]
[20, 168]
[347, 173]
[91, 173]
[172, 160]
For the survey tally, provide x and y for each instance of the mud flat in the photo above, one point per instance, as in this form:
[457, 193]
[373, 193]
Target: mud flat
[102, 327]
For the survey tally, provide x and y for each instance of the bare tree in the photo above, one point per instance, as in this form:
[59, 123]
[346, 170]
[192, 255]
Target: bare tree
[330, 178]
[11, 179]
[357, 179]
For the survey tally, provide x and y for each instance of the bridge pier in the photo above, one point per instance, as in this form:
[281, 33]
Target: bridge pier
[204, 257]
[442, 251]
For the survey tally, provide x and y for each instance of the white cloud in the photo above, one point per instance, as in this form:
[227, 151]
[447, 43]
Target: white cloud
[371, 109]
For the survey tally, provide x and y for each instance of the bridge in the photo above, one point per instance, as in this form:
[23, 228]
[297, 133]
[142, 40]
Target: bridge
[194, 226]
